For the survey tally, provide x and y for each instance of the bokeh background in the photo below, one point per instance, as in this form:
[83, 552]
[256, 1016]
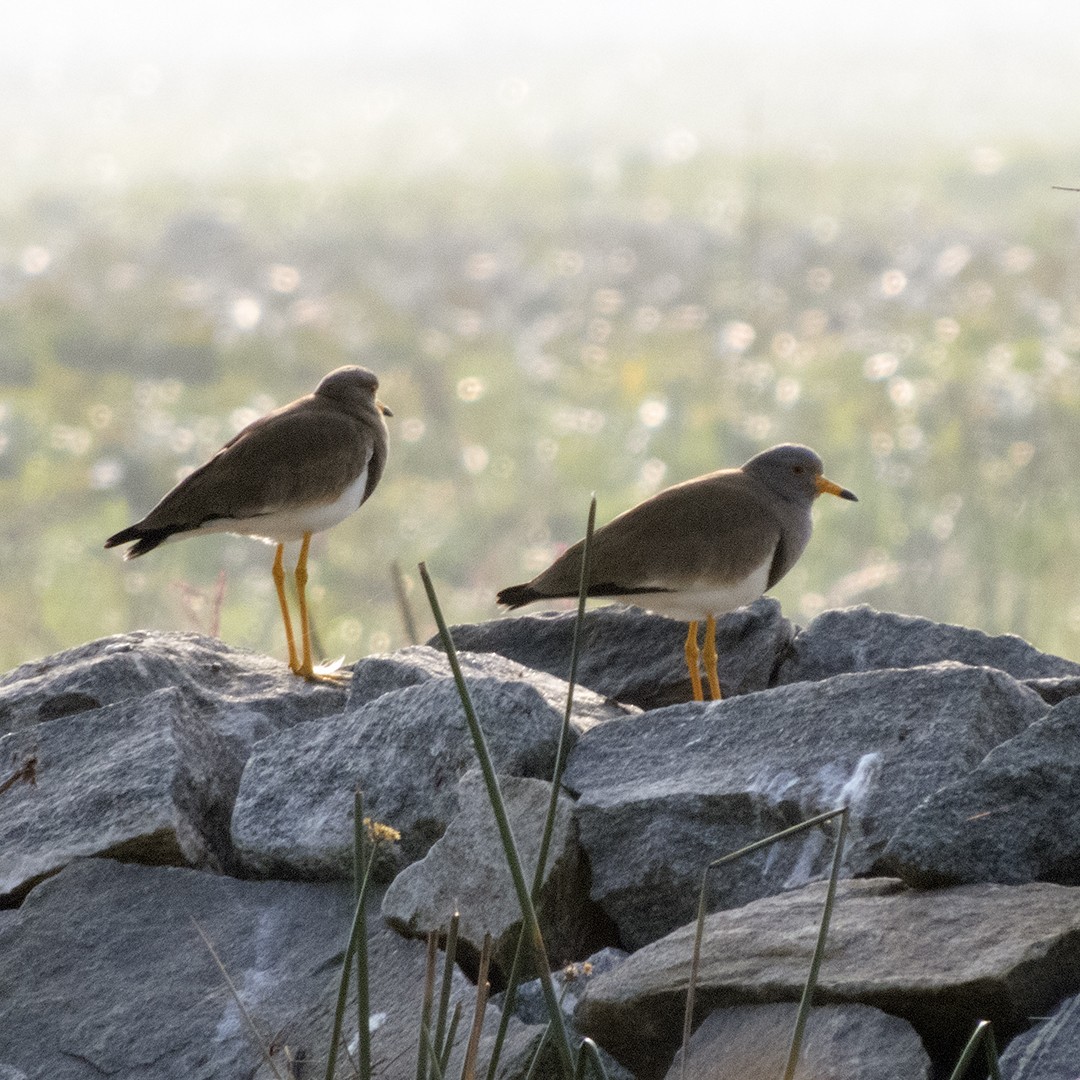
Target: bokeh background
[586, 247]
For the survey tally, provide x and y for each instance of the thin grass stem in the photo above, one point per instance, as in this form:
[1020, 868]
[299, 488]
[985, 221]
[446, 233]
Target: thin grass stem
[449, 958]
[363, 858]
[257, 1036]
[587, 1055]
[468, 1066]
[514, 977]
[699, 929]
[819, 949]
[513, 858]
[422, 1055]
[983, 1036]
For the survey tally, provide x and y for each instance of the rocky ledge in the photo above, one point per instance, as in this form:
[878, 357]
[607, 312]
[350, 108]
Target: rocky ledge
[159, 792]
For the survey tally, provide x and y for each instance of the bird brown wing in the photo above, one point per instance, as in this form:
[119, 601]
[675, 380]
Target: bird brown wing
[714, 528]
[278, 460]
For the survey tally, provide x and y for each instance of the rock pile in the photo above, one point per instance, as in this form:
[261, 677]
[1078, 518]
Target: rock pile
[162, 793]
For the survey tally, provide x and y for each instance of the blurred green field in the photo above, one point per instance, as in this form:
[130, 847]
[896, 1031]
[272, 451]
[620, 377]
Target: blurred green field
[542, 331]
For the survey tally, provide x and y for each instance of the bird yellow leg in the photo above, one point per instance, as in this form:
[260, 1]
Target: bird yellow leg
[306, 667]
[692, 657]
[709, 659]
[279, 582]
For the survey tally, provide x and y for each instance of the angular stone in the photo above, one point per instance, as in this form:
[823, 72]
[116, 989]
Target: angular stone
[377, 675]
[634, 657]
[664, 794]
[105, 973]
[466, 869]
[1048, 1051]
[942, 960]
[862, 639]
[1014, 818]
[253, 694]
[405, 751]
[146, 781]
[840, 1042]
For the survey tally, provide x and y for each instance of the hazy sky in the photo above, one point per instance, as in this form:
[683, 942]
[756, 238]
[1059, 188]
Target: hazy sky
[198, 29]
[113, 87]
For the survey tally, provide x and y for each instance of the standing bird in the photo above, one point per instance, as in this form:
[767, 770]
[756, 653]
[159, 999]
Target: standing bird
[294, 472]
[698, 549]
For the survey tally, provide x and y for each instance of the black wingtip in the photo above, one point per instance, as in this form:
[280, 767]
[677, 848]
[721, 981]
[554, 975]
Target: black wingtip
[144, 541]
[515, 596]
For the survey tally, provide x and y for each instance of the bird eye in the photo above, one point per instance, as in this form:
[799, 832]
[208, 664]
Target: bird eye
[797, 469]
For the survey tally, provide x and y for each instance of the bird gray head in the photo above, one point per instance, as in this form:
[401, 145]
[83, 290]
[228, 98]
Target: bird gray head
[793, 472]
[352, 386]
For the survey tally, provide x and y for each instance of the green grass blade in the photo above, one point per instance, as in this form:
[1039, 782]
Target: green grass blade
[556, 782]
[424, 1042]
[513, 859]
[983, 1036]
[819, 949]
[449, 958]
[357, 945]
[699, 929]
[588, 1054]
[363, 859]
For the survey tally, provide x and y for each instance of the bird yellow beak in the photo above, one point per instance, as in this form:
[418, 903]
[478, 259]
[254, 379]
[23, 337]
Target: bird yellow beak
[829, 488]
[382, 408]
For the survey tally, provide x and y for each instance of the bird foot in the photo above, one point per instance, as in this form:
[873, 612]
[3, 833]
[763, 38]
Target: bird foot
[330, 672]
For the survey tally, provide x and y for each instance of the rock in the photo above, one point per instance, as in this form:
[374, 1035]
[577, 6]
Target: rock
[9, 1072]
[105, 973]
[1049, 1050]
[467, 869]
[634, 657]
[1014, 818]
[570, 982]
[147, 781]
[862, 639]
[942, 960]
[840, 1042]
[378, 675]
[664, 794]
[249, 695]
[406, 751]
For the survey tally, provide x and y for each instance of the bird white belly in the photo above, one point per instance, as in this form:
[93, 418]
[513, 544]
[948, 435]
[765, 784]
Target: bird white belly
[696, 602]
[291, 522]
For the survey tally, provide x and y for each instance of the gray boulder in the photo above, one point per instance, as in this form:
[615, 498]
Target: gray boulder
[634, 657]
[862, 639]
[1013, 818]
[1048, 1051]
[942, 960]
[405, 751]
[248, 695]
[148, 781]
[377, 675]
[665, 793]
[840, 1042]
[466, 870]
[106, 973]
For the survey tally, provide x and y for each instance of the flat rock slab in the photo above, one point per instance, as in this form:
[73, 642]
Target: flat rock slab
[840, 1042]
[664, 794]
[1014, 818]
[943, 960]
[377, 675]
[467, 870]
[862, 639]
[147, 781]
[255, 694]
[635, 657]
[1048, 1051]
[105, 973]
[405, 751]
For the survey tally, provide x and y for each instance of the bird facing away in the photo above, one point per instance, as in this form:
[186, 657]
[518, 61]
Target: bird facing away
[294, 472]
[698, 549]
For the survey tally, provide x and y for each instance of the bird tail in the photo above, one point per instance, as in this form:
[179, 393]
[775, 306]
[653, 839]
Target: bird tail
[145, 540]
[515, 596]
